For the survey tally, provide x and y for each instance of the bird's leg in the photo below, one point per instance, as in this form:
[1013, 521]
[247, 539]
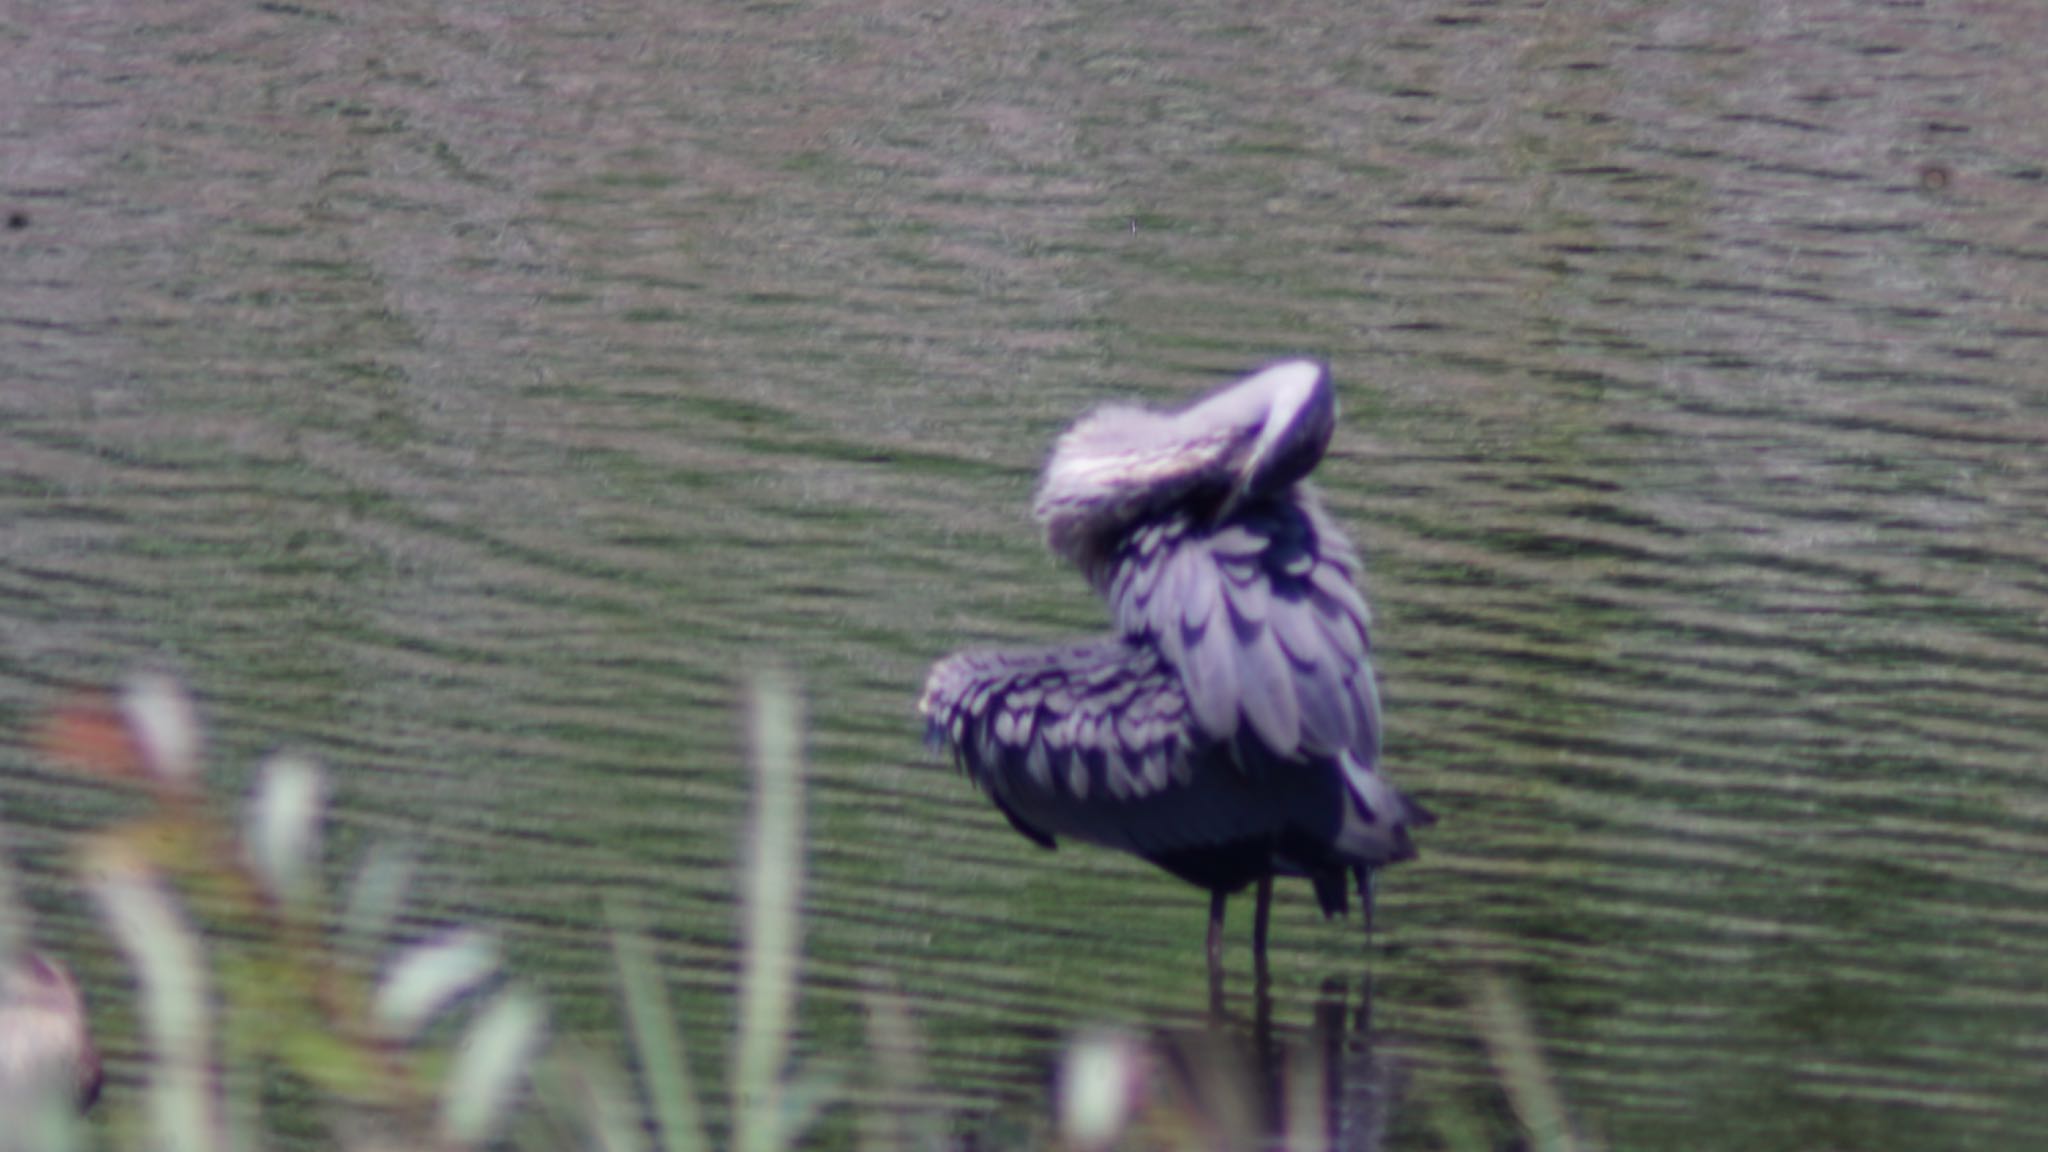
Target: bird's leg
[1366, 886]
[1216, 899]
[1263, 919]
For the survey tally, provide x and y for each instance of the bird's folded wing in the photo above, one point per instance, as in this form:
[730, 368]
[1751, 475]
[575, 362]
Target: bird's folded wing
[1095, 741]
[1264, 625]
[1101, 719]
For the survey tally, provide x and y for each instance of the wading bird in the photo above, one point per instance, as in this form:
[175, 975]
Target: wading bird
[1228, 731]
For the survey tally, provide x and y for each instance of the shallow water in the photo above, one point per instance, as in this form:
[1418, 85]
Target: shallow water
[467, 396]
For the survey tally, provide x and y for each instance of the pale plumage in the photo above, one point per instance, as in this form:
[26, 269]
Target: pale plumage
[1229, 730]
[44, 1047]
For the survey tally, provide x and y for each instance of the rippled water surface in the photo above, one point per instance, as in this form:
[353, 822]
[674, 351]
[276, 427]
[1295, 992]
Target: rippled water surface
[465, 393]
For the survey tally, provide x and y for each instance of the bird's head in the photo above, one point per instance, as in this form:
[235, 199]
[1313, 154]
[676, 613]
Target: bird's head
[1122, 465]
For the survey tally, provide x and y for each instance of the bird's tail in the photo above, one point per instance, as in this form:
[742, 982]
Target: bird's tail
[1376, 824]
[1374, 833]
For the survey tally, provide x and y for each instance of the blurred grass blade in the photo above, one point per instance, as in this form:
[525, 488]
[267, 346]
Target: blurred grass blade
[1457, 1128]
[772, 890]
[46, 1055]
[15, 928]
[282, 834]
[1218, 1087]
[165, 725]
[171, 970]
[46, 1049]
[50, 1126]
[804, 1096]
[1519, 1060]
[247, 1028]
[657, 1037]
[894, 1121]
[374, 900]
[426, 979]
[578, 1082]
[1308, 1094]
[496, 1053]
[1100, 1087]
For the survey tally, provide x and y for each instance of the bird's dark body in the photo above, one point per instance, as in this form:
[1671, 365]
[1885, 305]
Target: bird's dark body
[1228, 730]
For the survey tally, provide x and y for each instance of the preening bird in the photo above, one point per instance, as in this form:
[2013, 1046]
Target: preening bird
[1228, 730]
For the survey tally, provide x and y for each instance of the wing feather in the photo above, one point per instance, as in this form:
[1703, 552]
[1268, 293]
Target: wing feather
[1040, 720]
[1262, 621]
[1198, 585]
[1294, 624]
[1099, 742]
[1249, 589]
[1238, 540]
[1209, 673]
[1327, 720]
[1269, 688]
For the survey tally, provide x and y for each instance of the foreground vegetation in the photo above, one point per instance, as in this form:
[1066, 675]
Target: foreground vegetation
[245, 967]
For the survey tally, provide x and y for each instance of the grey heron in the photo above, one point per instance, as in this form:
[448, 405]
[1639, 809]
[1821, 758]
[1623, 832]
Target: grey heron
[1228, 729]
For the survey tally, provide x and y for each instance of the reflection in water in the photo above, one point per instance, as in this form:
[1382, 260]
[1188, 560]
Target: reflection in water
[1242, 1084]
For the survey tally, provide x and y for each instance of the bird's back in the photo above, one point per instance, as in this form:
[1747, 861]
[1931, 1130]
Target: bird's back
[1260, 619]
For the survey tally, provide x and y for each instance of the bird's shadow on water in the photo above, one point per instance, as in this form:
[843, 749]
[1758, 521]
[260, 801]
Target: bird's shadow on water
[1243, 1081]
